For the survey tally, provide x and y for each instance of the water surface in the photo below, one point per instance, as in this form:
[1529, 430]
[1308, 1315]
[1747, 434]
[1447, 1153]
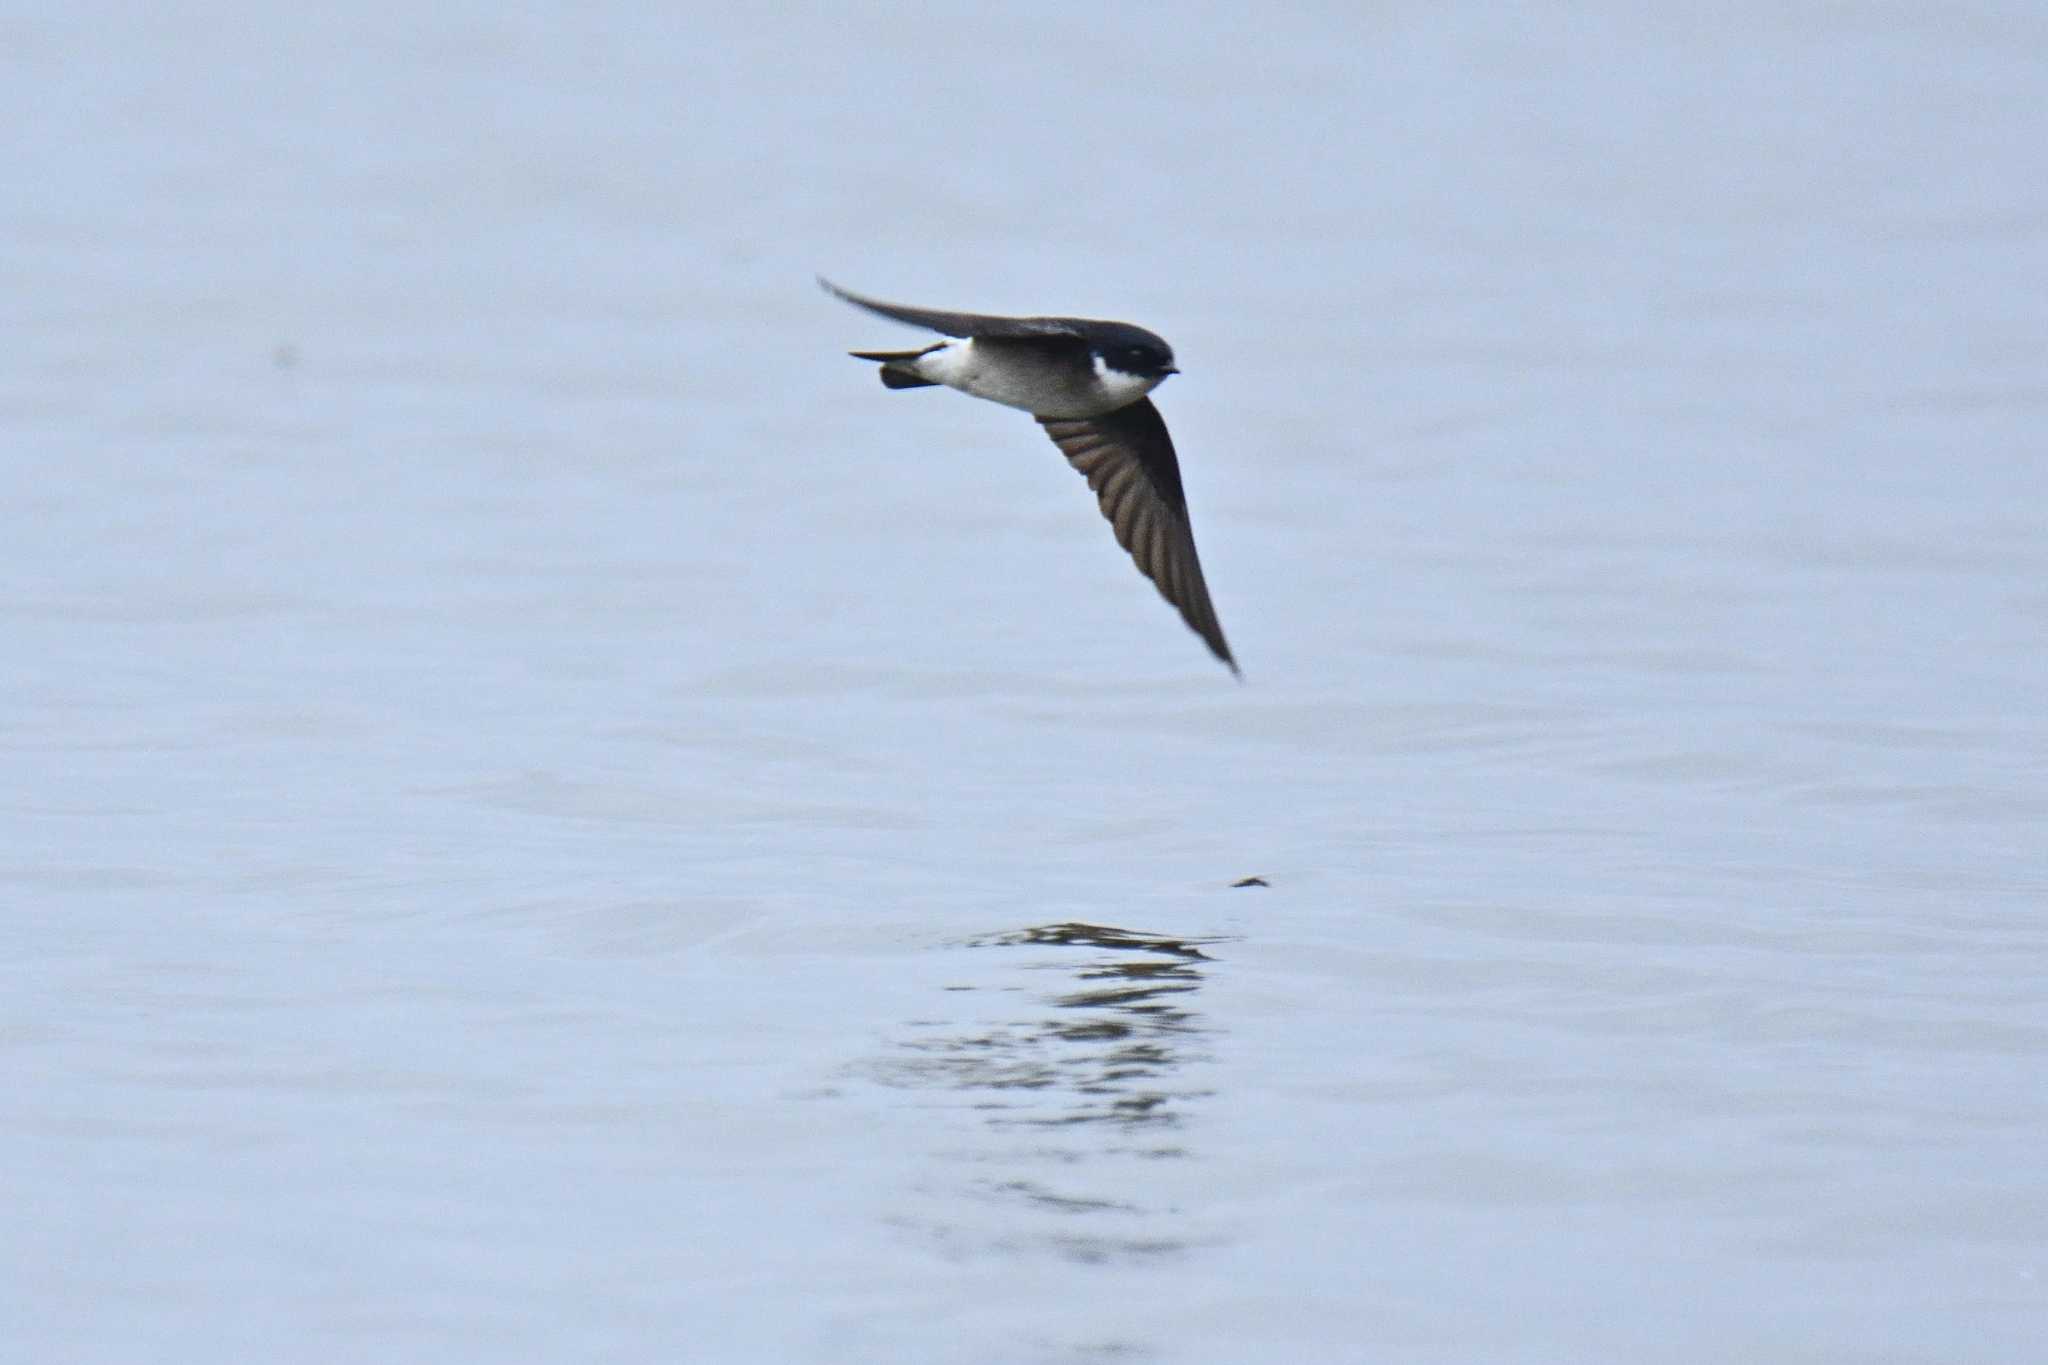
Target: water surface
[543, 815]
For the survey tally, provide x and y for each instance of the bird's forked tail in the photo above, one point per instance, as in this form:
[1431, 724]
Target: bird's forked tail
[896, 371]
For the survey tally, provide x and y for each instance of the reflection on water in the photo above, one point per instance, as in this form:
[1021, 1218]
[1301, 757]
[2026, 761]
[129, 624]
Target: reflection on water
[1094, 1073]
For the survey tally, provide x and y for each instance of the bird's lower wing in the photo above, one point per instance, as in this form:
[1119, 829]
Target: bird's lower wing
[1128, 460]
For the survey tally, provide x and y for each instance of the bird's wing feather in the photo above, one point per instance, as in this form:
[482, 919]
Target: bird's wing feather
[964, 324]
[1127, 458]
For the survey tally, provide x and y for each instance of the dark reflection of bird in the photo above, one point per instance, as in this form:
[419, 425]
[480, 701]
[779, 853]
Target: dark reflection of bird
[1086, 382]
[1082, 1051]
[1123, 1028]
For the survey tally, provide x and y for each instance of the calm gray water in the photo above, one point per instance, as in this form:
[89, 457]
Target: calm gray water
[545, 816]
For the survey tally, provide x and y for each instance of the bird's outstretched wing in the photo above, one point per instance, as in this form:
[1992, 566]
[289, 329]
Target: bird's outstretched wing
[964, 324]
[1128, 460]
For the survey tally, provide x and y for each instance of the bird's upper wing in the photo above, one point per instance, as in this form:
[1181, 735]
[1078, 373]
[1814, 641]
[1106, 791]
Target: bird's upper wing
[1128, 460]
[964, 324]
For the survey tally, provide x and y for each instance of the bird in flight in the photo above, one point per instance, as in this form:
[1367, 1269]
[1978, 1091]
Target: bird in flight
[1086, 382]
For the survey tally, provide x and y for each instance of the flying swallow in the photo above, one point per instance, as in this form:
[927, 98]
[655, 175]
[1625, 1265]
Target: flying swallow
[1086, 381]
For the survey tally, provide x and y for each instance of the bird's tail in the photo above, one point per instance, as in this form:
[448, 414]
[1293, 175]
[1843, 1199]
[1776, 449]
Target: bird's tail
[896, 371]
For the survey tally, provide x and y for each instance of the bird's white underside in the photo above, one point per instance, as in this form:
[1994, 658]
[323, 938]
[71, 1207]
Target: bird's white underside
[1044, 391]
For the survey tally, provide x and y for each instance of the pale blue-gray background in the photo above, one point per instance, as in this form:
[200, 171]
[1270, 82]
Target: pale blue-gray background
[525, 774]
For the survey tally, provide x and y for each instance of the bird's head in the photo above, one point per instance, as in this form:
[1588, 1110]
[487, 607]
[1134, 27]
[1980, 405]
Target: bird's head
[1133, 359]
[1135, 352]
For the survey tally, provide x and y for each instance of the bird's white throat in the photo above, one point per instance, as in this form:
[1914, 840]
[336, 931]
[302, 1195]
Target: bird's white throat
[1124, 388]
